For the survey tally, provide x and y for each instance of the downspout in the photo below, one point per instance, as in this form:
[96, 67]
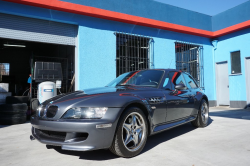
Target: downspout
[214, 43]
[151, 53]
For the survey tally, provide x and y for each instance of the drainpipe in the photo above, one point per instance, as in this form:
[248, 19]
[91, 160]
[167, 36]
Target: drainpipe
[214, 43]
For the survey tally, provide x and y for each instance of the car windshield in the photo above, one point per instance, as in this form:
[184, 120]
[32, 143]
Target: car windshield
[138, 78]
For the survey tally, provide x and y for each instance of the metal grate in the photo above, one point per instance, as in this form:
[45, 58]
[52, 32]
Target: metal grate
[67, 69]
[189, 58]
[132, 52]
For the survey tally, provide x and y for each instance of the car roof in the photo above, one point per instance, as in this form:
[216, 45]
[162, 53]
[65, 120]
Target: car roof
[165, 70]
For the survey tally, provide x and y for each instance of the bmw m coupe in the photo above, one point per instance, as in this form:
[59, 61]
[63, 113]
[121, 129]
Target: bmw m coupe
[121, 115]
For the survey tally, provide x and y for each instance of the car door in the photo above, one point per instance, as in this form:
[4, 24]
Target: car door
[192, 88]
[155, 98]
[177, 101]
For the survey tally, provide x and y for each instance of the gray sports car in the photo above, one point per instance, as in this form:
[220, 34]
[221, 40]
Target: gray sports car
[123, 114]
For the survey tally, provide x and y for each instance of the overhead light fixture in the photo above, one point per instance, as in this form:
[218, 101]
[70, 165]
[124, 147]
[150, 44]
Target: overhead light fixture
[14, 45]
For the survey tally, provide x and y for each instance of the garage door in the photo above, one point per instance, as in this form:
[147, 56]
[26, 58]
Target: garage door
[30, 29]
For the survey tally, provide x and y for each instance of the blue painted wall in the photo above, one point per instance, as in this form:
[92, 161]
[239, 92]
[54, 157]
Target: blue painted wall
[231, 17]
[238, 41]
[97, 57]
[97, 45]
[153, 10]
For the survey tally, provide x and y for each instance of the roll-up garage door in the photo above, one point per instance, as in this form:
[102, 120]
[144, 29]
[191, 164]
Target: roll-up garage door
[30, 29]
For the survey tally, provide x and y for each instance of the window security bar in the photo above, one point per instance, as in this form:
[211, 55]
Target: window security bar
[132, 52]
[189, 58]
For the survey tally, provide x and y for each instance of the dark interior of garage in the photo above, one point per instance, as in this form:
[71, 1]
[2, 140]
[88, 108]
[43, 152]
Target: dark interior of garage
[17, 60]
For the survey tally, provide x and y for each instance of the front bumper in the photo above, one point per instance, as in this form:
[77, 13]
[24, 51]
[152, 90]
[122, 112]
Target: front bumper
[78, 135]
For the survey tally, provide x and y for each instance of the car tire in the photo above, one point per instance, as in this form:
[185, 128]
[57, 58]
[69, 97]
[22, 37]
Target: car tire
[131, 135]
[203, 115]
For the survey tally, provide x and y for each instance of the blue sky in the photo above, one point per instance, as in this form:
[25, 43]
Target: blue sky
[209, 7]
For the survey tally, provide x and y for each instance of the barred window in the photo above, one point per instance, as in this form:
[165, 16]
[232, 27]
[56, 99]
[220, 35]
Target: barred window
[4, 68]
[132, 52]
[189, 58]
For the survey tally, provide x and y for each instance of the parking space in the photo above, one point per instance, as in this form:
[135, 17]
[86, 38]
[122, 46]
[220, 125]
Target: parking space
[225, 141]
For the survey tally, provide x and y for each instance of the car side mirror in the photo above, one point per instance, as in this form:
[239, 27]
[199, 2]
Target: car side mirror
[180, 86]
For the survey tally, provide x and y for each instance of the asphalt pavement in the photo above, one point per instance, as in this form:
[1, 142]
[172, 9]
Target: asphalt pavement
[225, 141]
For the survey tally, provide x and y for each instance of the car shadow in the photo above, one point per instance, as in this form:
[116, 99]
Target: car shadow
[152, 142]
[98, 155]
[167, 135]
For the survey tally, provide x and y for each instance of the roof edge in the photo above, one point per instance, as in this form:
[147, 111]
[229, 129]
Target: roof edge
[130, 19]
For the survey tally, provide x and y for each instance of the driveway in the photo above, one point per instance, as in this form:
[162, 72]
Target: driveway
[225, 141]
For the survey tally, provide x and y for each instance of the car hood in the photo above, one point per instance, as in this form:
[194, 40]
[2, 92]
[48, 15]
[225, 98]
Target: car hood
[111, 97]
[94, 92]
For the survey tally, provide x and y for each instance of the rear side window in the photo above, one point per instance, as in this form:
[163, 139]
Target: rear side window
[190, 82]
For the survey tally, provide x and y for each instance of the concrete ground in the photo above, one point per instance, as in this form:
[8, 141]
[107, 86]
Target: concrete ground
[225, 141]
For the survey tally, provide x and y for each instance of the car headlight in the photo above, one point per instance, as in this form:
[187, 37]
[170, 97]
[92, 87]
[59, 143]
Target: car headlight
[85, 113]
[40, 110]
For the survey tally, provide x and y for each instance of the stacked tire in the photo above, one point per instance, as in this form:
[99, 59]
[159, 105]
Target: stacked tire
[17, 99]
[13, 113]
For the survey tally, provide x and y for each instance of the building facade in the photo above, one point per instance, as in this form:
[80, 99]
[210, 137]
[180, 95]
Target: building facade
[107, 38]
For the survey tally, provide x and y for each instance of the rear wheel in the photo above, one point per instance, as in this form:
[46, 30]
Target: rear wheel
[131, 134]
[203, 115]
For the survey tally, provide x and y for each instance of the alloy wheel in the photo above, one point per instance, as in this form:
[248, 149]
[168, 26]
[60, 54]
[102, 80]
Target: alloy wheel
[134, 130]
[204, 113]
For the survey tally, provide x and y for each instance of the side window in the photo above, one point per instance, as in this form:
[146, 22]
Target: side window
[176, 78]
[167, 83]
[190, 82]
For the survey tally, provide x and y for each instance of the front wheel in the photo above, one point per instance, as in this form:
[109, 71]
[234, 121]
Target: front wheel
[131, 134]
[203, 115]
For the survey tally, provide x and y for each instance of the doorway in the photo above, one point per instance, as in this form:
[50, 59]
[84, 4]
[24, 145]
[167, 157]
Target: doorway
[222, 83]
[17, 62]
